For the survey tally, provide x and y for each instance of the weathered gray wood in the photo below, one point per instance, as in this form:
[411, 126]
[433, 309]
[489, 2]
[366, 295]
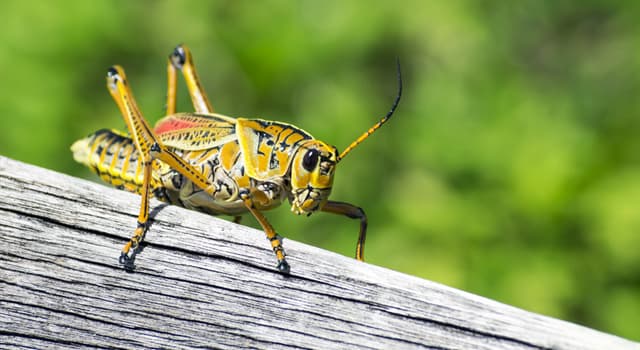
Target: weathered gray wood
[205, 282]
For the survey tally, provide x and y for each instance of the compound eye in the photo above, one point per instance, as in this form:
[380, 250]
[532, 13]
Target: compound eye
[310, 159]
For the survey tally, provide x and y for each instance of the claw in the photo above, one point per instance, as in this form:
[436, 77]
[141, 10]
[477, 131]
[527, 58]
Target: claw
[283, 267]
[124, 259]
[127, 262]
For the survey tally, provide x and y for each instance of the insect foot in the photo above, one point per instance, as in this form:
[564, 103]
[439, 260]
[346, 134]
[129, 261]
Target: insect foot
[283, 267]
[276, 244]
[127, 261]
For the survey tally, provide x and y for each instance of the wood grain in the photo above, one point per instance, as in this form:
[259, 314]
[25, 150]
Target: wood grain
[203, 282]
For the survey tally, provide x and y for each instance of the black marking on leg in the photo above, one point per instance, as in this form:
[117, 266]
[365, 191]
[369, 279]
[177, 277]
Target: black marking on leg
[178, 57]
[274, 238]
[113, 74]
[155, 148]
[279, 248]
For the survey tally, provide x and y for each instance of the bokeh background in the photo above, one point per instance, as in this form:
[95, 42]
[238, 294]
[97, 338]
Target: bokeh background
[511, 169]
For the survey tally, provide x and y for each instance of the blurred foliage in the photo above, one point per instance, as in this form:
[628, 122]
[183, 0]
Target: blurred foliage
[511, 169]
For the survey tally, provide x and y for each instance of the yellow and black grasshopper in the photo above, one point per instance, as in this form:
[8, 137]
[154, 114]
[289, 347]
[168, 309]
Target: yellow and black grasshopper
[213, 163]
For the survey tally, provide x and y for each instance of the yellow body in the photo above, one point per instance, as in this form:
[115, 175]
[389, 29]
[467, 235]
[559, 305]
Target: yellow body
[236, 155]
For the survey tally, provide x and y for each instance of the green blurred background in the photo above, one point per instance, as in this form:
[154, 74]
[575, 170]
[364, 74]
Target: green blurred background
[511, 169]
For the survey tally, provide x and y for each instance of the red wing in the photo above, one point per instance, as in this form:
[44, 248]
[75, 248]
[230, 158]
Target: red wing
[191, 131]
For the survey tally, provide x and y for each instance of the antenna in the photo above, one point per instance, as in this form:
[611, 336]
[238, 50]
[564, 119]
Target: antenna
[378, 124]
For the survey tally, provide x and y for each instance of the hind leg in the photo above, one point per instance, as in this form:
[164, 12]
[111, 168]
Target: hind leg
[181, 59]
[149, 147]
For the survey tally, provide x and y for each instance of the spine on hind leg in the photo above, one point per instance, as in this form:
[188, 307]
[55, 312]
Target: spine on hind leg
[113, 156]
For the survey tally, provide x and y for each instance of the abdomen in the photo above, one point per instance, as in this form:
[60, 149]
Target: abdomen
[113, 156]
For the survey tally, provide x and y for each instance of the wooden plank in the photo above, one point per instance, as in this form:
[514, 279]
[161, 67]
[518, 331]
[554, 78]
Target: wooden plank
[205, 282]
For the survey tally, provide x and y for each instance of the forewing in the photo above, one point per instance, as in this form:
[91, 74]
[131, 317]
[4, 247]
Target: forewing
[192, 131]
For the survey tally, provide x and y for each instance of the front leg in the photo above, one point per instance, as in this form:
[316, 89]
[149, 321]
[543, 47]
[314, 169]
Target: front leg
[272, 236]
[353, 212]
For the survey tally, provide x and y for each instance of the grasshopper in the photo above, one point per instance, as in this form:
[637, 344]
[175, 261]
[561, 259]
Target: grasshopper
[213, 163]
